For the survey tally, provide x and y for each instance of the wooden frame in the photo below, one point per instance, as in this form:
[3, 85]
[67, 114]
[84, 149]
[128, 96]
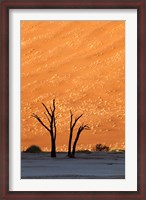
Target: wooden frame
[4, 91]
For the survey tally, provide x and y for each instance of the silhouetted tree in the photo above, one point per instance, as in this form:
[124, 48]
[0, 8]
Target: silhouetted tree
[80, 129]
[52, 125]
[72, 125]
[71, 154]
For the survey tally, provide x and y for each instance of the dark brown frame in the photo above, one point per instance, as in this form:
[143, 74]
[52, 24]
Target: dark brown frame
[140, 5]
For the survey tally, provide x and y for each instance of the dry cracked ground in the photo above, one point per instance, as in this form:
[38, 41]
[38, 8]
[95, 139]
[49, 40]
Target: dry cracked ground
[82, 65]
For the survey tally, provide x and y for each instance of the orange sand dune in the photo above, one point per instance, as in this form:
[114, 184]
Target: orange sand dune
[81, 64]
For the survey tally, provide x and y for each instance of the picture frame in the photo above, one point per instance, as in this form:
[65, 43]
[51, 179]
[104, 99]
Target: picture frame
[6, 104]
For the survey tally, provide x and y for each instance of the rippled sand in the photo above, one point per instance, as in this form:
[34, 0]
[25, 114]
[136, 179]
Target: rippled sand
[82, 65]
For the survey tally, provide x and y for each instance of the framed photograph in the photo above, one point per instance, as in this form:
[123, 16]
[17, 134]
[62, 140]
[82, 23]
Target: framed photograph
[72, 99]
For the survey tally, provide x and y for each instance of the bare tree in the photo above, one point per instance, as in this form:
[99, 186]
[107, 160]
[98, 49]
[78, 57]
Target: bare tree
[72, 125]
[50, 114]
[81, 128]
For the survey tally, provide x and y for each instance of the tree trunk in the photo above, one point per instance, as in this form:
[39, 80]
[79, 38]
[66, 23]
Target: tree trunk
[69, 146]
[52, 125]
[53, 148]
[72, 125]
[74, 146]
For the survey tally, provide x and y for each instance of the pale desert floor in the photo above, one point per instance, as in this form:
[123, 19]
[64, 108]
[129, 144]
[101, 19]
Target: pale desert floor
[95, 165]
[82, 65]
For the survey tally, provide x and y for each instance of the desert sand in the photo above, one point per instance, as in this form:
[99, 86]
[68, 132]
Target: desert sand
[82, 65]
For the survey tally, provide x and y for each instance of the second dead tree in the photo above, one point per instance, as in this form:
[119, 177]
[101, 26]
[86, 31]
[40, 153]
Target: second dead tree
[71, 154]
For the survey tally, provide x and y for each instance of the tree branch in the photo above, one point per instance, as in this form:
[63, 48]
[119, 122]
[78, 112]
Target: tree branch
[47, 117]
[47, 110]
[54, 104]
[71, 116]
[36, 116]
[76, 119]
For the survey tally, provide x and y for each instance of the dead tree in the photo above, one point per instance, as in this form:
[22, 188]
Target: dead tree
[50, 114]
[81, 128]
[72, 125]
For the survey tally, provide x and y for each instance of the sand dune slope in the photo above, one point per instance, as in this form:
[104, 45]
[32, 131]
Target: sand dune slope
[81, 65]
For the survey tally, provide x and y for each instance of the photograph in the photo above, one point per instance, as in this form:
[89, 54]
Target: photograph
[72, 99]
[72, 90]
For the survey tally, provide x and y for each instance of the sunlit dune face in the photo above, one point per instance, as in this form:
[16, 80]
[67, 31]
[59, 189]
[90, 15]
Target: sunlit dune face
[82, 65]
